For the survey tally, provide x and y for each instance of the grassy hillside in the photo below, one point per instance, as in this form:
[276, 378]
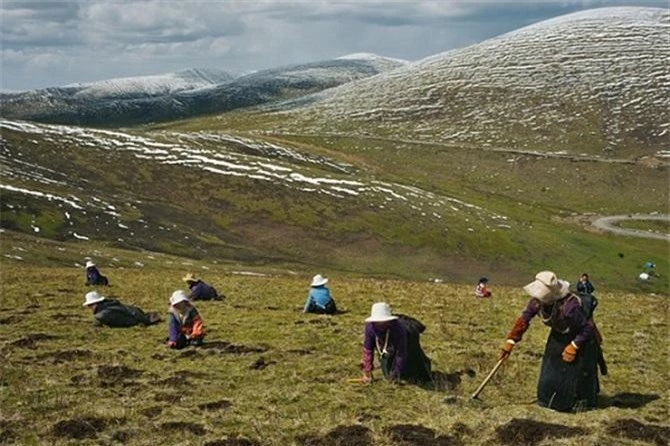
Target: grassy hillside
[270, 375]
[362, 205]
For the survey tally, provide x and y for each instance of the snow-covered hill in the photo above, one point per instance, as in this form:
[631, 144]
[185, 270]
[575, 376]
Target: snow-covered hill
[596, 80]
[169, 83]
[185, 94]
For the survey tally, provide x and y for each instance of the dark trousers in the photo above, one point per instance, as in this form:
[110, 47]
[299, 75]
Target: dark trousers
[568, 386]
[330, 308]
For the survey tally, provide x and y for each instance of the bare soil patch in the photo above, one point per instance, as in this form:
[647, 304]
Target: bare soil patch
[30, 340]
[226, 347]
[299, 351]
[629, 400]
[321, 322]
[151, 412]
[183, 426]
[82, 427]
[417, 435]
[169, 397]
[7, 436]
[112, 374]
[530, 432]
[10, 320]
[635, 430]
[216, 405]
[449, 381]
[61, 356]
[260, 364]
[233, 442]
[340, 436]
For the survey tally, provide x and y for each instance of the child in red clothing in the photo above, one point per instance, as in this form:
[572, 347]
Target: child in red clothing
[481, 290]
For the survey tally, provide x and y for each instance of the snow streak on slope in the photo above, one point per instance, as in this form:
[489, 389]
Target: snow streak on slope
[598, 76]
[220, 154]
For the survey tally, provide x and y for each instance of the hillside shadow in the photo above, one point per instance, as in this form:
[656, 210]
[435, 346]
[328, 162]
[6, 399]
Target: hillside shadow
[627, 400]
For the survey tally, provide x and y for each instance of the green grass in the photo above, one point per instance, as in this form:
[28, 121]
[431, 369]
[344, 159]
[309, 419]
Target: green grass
[200, 215]
[303, 390]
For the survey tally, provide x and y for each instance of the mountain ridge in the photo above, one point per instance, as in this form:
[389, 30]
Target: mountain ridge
[138, 100]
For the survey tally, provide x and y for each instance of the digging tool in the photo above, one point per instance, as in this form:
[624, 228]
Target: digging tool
[488, 378]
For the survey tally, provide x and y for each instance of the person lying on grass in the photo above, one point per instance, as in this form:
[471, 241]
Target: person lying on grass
[319, 299]
[568, 374]
[185, 325]
[396, 340]
[112, 313]
[199, 290]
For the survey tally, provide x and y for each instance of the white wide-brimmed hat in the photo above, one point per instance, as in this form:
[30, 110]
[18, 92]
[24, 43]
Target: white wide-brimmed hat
[89, 264]
[178, 296]
[380, 312]
[93, 297]
[547, 287]
[318, 280]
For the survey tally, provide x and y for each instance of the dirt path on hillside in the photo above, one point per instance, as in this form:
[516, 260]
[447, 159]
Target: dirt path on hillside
[608, 224]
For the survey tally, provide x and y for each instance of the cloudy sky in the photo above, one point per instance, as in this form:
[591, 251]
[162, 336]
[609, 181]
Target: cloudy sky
[58, 42]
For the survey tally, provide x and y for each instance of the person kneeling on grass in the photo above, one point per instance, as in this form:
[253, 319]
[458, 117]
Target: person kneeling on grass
[200, 290]
[396, 339]
[112, 313]
[319, 299]
[481, 290]
[93, 276]
[184, 322]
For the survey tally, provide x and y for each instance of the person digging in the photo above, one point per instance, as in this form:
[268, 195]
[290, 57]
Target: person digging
[568, 375]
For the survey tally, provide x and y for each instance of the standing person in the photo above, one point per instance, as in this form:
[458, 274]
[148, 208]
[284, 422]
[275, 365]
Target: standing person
[112, 313]
[396, 340]
[319, 299]
[93, 276]
[584, 285]
[568, 375]
[185, 325]
[481, 289]
[200, 290]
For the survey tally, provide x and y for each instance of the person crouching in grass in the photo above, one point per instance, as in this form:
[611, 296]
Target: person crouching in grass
[185, 325]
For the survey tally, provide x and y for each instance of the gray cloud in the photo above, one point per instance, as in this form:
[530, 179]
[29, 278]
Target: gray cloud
[46, 43]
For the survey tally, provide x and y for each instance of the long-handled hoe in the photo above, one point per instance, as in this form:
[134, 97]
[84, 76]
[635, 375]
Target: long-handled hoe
[493, 371]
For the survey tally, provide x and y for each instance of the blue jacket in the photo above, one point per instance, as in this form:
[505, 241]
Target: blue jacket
[319, 295]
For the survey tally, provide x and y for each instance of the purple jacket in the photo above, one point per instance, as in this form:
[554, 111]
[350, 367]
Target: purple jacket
[202, 291]
[564, 316]
[375, 339]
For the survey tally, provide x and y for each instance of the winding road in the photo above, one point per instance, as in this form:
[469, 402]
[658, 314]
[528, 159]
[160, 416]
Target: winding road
[607, 224]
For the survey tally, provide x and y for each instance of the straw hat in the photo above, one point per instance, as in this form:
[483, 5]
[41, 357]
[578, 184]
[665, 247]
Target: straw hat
[547, 287]
[93, 297]
[190, 277]
[177, 297]
[89, 264]
[380, 312]
[318, 280]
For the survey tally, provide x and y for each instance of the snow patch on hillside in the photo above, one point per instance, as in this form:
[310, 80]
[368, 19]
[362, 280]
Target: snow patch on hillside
[229, 155]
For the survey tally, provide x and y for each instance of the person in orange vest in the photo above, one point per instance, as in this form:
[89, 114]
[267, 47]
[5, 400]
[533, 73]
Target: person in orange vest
[185, 325]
